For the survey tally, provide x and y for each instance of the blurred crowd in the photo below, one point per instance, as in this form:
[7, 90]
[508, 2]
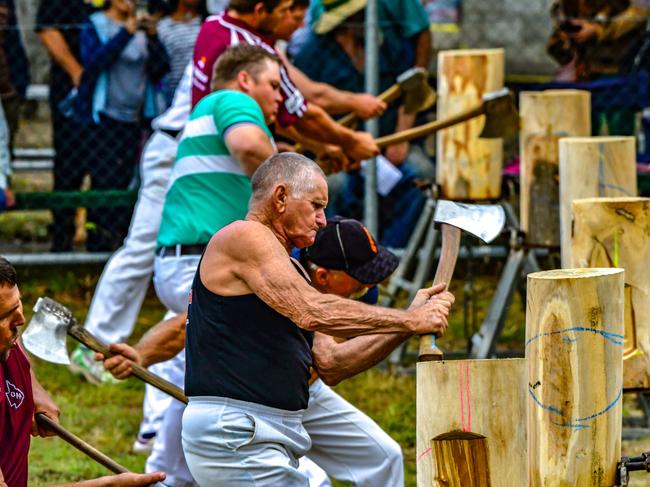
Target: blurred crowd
[117, 63]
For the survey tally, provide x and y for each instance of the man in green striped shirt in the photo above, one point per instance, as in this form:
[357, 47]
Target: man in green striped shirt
[225, 139]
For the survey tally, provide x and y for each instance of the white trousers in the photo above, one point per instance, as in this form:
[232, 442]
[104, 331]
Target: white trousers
[232, 443]
[346, 443]
[123, 284]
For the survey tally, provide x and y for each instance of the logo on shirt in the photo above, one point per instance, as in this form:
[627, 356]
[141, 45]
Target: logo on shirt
[14, 395]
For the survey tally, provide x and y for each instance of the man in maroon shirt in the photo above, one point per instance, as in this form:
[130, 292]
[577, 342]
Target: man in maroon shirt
[252, 21]
[21, 397]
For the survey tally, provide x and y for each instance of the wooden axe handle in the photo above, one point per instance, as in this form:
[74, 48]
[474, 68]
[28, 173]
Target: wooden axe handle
[444, 272]
[84, 336]
[388, 96]
[429, 128]
[80, 444]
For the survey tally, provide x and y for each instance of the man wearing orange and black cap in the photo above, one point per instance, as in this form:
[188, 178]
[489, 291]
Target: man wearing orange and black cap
[344, 260]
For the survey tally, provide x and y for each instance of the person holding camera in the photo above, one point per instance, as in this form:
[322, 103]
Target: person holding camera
[122, 61]
[595, 39]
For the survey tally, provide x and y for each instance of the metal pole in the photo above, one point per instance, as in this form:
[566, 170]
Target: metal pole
[372, 86]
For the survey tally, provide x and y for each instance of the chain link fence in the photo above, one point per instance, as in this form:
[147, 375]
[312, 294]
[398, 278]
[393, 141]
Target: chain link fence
[75, 161]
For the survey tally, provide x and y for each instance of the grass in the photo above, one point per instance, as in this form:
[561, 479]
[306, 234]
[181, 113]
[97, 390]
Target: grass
[108, 417]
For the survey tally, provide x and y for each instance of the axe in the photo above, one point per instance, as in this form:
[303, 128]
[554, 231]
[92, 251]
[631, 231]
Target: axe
[482, 221]
[413, 85]
[501, 120]
[45, 338]
[80, 444]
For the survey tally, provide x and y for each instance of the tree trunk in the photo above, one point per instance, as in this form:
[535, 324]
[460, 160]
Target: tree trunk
[574, 347]
[467, 167]
[470, 423]
[593, 167]
[545, 117]
[614, 232]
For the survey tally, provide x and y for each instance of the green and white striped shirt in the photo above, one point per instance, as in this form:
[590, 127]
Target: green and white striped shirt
[208, 188]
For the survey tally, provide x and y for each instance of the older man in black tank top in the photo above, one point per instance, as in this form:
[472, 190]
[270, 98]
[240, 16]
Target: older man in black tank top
[238, 434]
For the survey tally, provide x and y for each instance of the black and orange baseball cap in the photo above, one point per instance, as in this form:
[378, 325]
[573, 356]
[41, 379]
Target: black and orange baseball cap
[344, 244]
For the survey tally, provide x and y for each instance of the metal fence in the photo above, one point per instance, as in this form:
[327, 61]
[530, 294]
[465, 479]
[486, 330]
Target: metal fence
[76, 178]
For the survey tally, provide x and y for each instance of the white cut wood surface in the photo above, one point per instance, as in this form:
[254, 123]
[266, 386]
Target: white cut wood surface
[574, 347]
[546, 116]
[593, 167]
[484, 397]
[614, 232]
[468, 167]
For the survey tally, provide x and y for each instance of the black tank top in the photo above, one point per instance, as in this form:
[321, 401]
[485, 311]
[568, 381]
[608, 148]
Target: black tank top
[241, 348]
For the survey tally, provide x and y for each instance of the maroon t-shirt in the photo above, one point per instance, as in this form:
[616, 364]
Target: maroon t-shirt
[16, 413]
[217, 34]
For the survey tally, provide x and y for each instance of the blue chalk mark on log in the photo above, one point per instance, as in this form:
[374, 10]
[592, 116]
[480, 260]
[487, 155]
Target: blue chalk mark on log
[615, 338]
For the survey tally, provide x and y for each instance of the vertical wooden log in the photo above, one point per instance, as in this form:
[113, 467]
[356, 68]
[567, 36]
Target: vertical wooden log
[545, 117]
[614, 232]
[592, 167]
[470, 423]
[574, 347]
[467, 167]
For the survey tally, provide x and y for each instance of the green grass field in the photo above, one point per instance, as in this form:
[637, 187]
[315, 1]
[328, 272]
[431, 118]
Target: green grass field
[108, 416]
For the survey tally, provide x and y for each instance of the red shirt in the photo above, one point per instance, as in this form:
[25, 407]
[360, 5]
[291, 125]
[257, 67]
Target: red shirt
[16, 413]
[218, 33]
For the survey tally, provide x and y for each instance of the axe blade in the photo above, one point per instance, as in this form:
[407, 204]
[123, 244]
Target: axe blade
[46, 333]
[501, 117]
[482, 221]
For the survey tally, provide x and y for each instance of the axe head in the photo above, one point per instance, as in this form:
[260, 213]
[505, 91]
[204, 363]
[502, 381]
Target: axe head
[418, 94]
[45, 336]
[482, 221]
[501, 117]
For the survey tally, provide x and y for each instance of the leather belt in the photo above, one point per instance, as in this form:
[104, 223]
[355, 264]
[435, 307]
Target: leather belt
[179, 249]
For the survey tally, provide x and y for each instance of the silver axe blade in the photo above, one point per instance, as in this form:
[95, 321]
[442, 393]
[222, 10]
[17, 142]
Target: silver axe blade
[46, 334]
[482, 221]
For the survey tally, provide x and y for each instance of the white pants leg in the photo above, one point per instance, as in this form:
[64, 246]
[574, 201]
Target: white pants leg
[316, 475]
[125, 279]
[349, 445]
[231, 443]
[173, 278]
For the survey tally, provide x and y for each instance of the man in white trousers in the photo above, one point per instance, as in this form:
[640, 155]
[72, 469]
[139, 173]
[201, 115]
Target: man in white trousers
[346, 443]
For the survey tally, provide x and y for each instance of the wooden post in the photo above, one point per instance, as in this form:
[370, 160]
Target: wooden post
[614, 232]
[470, 423]
[545, 117]
[574, 347]
[467, 167]
[593, 167]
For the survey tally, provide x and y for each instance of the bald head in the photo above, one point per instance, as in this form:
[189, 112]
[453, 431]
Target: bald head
[298, 173]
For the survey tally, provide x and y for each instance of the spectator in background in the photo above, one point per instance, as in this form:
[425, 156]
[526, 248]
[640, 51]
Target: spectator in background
[593, 39]
[177, 32]
[335, 54]
[16, 77]
[122, 59]
[58, 24]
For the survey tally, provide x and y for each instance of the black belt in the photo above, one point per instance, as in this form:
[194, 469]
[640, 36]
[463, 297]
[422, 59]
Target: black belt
[179, 249]
[172, 133]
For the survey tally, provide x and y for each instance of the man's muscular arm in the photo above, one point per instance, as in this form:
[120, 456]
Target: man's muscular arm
[331, 99]
[55, 44]
[251, 253]
[336, 361]
[249, 146]
[317, 124]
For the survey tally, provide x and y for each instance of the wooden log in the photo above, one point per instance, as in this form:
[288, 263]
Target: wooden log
[467, 167]
[614, 232]
[545, 117]
[574, 347]
[593, 167]
[470, 423]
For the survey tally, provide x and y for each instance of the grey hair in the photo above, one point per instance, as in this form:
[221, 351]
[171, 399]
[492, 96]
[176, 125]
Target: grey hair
[295, 170]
